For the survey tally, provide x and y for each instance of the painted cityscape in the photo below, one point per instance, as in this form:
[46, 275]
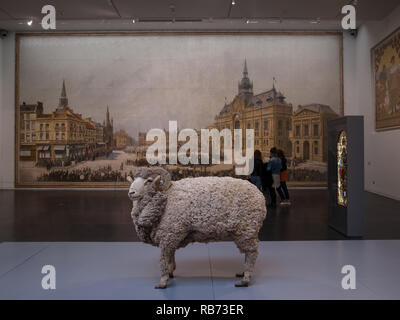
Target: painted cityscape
[85, 123]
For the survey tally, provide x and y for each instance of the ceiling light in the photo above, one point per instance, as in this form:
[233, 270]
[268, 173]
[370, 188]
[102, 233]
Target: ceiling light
[315, 21]
[233, 2]
[29, 22]
[133, 21]
[275, 21]
[251, 21]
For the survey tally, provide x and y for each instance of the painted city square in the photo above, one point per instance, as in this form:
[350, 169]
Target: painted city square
[85, 103]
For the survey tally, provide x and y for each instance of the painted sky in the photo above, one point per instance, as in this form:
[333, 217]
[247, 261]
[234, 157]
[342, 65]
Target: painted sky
[148, 80]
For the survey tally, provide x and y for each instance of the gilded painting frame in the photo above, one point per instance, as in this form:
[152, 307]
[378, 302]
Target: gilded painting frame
[88, 185]
[384, 89]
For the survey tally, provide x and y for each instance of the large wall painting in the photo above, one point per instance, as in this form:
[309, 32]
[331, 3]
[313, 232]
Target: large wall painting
[84, 102]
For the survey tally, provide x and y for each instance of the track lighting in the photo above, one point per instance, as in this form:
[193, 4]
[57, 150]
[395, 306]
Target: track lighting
[318, 20]
[275, 21]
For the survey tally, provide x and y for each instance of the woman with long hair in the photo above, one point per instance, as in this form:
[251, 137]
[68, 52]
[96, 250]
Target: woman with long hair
[255, 176]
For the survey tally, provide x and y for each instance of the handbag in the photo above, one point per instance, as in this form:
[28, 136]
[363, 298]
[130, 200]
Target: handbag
[284, 176]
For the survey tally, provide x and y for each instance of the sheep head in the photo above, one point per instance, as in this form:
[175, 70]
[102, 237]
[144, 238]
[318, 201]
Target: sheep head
[154, 172]
[149, 202]
[140, 186]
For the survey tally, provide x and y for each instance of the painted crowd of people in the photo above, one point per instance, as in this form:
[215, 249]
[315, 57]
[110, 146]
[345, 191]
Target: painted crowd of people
[104, 174]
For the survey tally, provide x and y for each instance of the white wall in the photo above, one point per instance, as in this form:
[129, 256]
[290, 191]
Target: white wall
[1, 81]
[7, 67]
[382, 149]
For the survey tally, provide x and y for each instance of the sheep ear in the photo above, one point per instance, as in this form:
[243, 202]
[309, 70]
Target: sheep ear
[129, 178]
[156, 183]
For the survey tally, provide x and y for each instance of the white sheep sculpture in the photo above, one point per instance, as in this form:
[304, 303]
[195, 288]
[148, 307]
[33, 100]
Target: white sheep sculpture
[170, 215]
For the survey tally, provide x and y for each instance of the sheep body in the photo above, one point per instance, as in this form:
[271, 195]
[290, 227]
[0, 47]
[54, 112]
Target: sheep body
[210, 209]
[204, 209]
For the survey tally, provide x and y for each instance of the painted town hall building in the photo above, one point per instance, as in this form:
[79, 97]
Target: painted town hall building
[300, 133]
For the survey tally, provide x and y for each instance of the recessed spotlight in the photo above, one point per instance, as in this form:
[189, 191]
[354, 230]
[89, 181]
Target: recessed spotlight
[275, 21]
[29, 22]
[233, 2]
[133, 21]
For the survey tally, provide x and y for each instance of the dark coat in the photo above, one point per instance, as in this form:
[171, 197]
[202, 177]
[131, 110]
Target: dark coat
[266, 177]
[284, 164]
[258, 168]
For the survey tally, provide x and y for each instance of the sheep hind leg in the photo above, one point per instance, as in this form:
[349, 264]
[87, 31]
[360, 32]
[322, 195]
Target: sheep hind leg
[165, 267]
[172, 266]
[250, 260]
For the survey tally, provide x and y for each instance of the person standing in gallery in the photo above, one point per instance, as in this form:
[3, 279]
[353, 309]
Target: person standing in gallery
[255, 177]
[283, 190]
[268, 190]
[274, 165]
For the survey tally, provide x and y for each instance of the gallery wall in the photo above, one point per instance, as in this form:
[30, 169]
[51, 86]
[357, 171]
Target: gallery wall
[382, 149]
[1, 87]
[7, 68]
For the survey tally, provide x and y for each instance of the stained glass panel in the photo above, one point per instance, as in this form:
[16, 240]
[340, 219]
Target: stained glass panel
[342, 169]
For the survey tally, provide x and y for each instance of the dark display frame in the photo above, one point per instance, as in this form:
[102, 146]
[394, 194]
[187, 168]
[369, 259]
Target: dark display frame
[348, 219]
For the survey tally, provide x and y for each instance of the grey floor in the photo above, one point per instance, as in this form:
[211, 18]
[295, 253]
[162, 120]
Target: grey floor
[129, 270]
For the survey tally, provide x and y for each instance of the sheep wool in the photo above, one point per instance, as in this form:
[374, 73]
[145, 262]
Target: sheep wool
[204, 209]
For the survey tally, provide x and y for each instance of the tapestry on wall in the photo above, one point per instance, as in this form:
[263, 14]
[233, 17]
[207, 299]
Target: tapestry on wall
[386, 64]
[85, 102]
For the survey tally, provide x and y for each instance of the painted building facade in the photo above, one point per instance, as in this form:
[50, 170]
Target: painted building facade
[60, 135]
[300, 134]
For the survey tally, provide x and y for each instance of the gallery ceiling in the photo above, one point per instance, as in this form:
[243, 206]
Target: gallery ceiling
[189, 14]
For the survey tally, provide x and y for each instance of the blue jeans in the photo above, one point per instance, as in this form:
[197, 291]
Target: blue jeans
[283, 191]
[256, 180]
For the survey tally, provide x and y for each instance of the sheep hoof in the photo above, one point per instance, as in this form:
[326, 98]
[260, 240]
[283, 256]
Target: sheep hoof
[171, 275]
[240, 275]
[242, 284]
[160, 286]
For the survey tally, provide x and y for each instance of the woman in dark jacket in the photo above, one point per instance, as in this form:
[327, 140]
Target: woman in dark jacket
[255, 177]
[267, 185]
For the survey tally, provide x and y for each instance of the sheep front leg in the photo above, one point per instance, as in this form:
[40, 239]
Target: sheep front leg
[250, 260]
[165, 267]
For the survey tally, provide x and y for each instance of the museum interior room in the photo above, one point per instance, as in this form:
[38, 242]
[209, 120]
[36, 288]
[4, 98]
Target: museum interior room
[256, 136]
